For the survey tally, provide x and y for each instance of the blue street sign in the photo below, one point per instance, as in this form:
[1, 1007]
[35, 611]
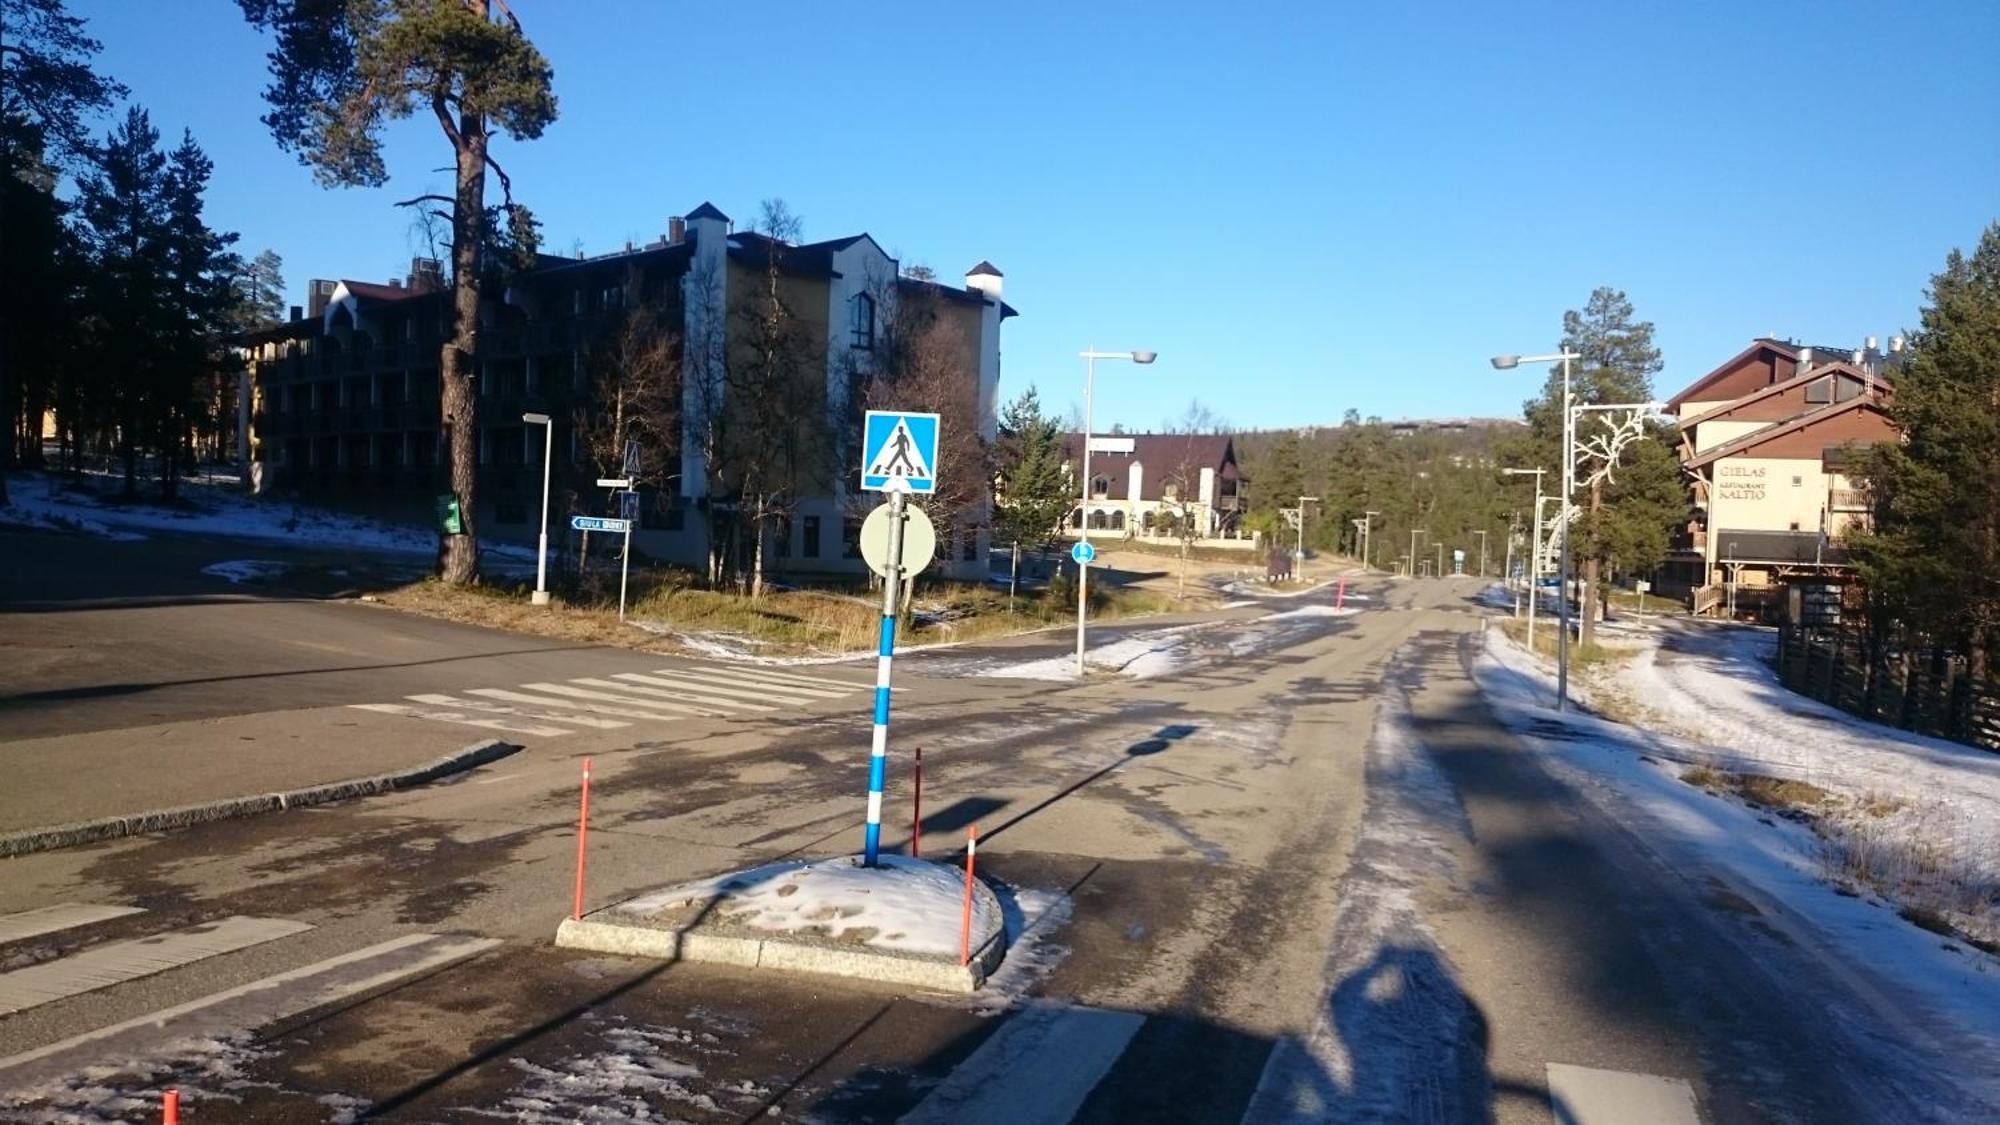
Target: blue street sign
[899, 452]
[1083, 553]
[628, 505]
[596, 523]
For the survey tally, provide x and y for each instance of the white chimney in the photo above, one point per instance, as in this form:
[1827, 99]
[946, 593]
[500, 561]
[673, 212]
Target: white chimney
[1870, 345]
[1895, 345]
[984, 278]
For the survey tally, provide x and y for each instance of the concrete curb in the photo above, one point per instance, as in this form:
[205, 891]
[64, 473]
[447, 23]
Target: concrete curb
[161, 820]
[601, 933]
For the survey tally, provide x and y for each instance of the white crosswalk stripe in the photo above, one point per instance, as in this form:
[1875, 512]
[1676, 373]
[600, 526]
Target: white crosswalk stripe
[549, 709]
[63, 916]
[105, 965]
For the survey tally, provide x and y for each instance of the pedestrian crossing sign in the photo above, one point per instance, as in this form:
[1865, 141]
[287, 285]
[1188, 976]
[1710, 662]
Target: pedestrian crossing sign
[899, 452]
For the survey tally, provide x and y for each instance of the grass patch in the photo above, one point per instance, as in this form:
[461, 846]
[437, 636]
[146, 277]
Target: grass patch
[834, 619]
[1580, 655]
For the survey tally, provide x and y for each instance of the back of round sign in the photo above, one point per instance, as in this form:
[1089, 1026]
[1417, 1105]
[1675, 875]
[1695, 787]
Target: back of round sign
[919, 540]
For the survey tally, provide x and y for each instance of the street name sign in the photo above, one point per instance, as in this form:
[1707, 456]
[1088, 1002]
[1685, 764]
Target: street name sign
[899, 452]
[613, 482]
[599, 523]
[1083, 553]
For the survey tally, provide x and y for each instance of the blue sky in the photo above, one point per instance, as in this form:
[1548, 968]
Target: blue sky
[1302, 207]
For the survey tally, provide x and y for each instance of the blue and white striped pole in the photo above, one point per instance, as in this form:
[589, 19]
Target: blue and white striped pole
[878, 758]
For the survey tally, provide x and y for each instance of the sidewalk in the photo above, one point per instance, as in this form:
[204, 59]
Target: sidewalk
[69, 778]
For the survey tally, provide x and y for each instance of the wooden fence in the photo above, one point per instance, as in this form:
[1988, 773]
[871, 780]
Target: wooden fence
[1926, 692]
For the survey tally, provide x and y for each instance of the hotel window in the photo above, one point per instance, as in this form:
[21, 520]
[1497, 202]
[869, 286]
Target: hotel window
[861, 321]
[1820, 390]
[810, 547]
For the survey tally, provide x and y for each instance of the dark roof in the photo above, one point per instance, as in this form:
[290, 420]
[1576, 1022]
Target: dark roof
[677, 254]
[953, 293]
[1785, 351]
[707, 211]
[814, 259]
[1758, 437]
[1807, 375]
[1162, 455]
[369, 291]
[983, 269]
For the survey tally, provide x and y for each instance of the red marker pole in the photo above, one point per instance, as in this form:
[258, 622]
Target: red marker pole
[965, 918]
[582, 829]
[1340, 596]
[170, 1108]
[917, 806]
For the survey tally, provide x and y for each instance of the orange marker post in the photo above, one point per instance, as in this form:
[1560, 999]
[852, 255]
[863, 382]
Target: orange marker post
[965, 918]
[582, 829]
[917, 806]
[170, 1108]
[1340, 595]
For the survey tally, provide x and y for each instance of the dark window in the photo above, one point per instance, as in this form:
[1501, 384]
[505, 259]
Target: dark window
[850, 538]
[782, 537]
[1820, 390]
[968, 548]
[861, 321]
[810, 547]
[1100, 487]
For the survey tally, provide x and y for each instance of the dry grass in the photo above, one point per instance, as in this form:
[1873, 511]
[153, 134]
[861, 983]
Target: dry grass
[1926, 858]
[1580, 655]
[662, 604]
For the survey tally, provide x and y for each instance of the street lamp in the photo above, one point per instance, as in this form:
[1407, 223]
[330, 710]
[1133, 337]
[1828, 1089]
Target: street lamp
[541, 594]
[1090, 358]
[1367, 533]
[1414, 532]
[1534, 547]
[1481, 532]
[1439, 572]
[1302, 529]
[1508, 363]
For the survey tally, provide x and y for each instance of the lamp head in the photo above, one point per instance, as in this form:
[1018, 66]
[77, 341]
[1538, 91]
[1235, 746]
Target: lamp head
[1506, 362]
[1144, 356]
[535, 419]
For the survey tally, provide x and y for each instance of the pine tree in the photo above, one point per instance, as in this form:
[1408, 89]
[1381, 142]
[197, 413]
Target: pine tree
[198, 298]
[260, 293]
[1035, 492]
[1932, 560]
[341, 70]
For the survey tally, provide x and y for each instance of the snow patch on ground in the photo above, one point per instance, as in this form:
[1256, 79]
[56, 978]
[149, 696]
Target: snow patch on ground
[1392, 1039]
[1947, 989]
[239, 571]
[1146, 655]
[1312, 611]
[203, 1069]
[47, 500]
[639, 1068]
[1033, 919]
[906, 905]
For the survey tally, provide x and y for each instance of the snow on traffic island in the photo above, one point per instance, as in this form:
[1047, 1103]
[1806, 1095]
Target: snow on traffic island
[898, 922]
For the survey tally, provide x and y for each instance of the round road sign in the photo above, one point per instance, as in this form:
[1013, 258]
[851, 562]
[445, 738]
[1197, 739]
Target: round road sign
[1083, 553]
[919, 540]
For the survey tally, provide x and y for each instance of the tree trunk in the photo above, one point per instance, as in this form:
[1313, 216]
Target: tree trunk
[1592, 572]
[458, 555]
[757, 549]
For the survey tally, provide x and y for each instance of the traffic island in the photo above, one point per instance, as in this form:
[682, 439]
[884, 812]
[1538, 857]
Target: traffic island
[903, 922]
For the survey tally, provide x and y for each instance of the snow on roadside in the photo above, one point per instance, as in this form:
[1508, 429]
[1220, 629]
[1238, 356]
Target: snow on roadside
[1949, 989]
[906, 905]
[1394, 1019]
[41, 499]
[239, 571]
[1155, 652]
[639, 1067]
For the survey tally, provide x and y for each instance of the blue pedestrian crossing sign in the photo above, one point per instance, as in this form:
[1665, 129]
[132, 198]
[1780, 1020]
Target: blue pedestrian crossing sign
[1083, 553]
[899, 452]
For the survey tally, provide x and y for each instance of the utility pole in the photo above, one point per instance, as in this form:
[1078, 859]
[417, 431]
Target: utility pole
[1367, 536]
[1302, 528]
[1440, 567]
[1481, 532]
[1414, 532]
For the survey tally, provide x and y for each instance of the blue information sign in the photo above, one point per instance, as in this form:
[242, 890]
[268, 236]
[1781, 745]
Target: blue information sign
[598, 523]
[1083, 553]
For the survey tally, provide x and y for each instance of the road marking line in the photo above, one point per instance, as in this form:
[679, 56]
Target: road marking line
[499, 709]
[460, 718]
[248, 1006]
[642, 709]
[625, 698]
[781, 677]
[696, 689]
[1582, 1095]
[737, 679]
[62, 916]
[684, 695]
[1040, 1066]
[105, 965]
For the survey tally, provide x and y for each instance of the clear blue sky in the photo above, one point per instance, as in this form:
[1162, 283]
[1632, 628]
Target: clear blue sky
[1303, 207]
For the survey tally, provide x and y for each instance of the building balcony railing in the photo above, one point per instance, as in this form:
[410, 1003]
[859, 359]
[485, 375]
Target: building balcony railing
[1848, 500]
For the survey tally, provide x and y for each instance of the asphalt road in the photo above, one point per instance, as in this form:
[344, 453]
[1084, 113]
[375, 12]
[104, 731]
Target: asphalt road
[1214, 868]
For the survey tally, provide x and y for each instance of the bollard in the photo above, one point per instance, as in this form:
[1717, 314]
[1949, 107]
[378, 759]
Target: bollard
[170, 1108]
[582, 829]
[917, 806]
[1340, 595]
[965, 917]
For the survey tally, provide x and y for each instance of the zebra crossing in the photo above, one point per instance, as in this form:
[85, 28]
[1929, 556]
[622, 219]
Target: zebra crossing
[550, 709]
[114, 957]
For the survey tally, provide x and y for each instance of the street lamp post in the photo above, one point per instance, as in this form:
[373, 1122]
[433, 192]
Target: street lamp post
[1439, 572]
[1090, 358]
[1367, 536]
[1481, 532]
[1508, 363]
[1534, 548]
[541, 594]
[1414, 532]
[1302, 528]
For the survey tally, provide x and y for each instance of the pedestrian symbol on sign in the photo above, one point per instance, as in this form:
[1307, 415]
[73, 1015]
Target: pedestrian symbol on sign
[899, 451]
